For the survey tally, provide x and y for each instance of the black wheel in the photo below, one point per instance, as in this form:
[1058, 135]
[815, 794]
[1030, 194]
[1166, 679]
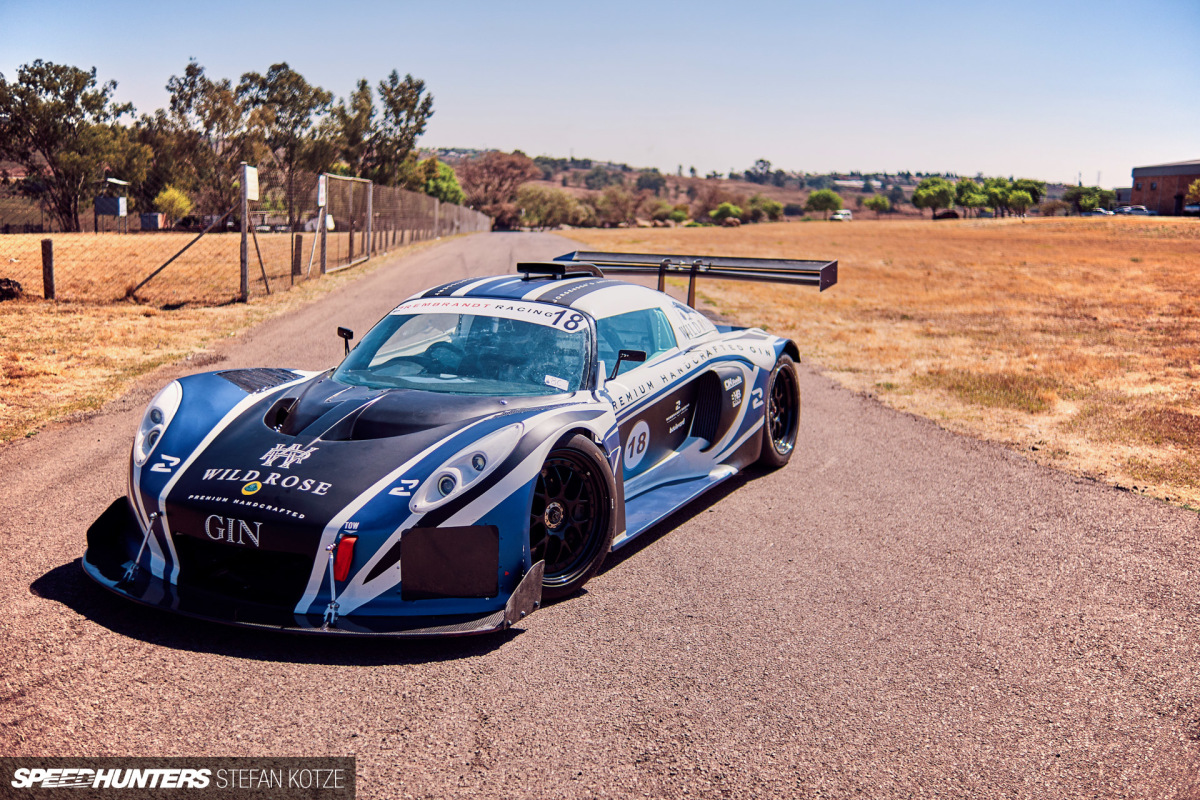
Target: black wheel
[571, 519]
[782, 422]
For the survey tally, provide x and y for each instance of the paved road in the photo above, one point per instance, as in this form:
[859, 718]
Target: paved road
[901, 612]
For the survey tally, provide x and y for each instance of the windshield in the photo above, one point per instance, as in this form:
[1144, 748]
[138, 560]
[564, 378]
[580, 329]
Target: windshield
[504, 349]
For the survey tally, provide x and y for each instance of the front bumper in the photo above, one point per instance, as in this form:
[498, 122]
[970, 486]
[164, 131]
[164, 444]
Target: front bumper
[107, 563]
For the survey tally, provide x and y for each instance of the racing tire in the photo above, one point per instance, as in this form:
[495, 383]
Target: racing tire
[781, 425]
[571, 518]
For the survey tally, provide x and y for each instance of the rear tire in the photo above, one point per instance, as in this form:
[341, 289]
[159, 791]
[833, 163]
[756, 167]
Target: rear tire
[782, 423]
[571, 518]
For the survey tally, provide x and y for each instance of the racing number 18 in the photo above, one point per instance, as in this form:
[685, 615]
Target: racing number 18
[570, 324]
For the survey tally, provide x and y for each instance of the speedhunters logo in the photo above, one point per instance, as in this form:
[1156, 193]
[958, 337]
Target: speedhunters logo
[286, 778]
[67, 778]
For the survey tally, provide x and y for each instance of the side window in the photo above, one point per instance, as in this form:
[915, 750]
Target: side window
[646, 330]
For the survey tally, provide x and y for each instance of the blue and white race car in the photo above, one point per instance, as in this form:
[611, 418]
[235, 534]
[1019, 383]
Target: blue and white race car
[484, 447]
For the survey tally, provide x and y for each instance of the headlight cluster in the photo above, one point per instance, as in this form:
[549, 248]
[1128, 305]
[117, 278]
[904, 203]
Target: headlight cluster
[466, 468]
[158, 416]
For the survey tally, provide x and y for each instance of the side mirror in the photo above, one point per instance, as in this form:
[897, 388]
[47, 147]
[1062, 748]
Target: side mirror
[347, 335]
[635, 356]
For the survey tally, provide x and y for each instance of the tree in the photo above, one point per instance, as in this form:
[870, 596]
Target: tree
[545, 207]
[1089, 198]
[996, 190]
[724, 212]
[878, 203]
[762, 207]
[933, 193]
[355, 125]
[491, 182]
[199, 144]
[1035, 189]
[868, 187]
[692, 171]
[1019, 201]
[895, 196]
[444, 184]
[824, 200]
[173, 203]
[618, 205]
[760, 172]
[290, 108]
[1193, 192]
[62, 127]
[598, 177]
[405, 110]
[651, 180]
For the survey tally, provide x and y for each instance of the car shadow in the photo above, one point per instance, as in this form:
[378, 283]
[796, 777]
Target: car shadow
[69, 585]
[681, 515]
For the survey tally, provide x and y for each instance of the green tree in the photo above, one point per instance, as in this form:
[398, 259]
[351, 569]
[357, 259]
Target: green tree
[354, 121]
[725, 211]
[1019, 201]
[617, 205]
[933, 193]
[878, 203]
[762, 207]
[444, 184]
[289, 109]
[1193, 192]
[404, 111]
[1089, 198]
[760, 172]
[174, 203]
[895, 196]
[996, 190]
[545, 207]
[825, 200]
[598, 178]
[651, 180]
[63, 128]
[1035, 189]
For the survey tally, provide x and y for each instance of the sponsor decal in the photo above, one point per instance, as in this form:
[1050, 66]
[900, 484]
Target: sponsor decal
[557, 383]
[637, 444]
[286, 456]
[736, 398]
[250, 477]
[678, 417]
[682, 366]
[405, 489]
[165, 463]
[691, 322]
[551, 316]
[732, 382]
[232, 530]
[756, 398]
[237, 501]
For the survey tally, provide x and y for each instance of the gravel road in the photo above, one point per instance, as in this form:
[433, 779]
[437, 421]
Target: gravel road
[901, 612]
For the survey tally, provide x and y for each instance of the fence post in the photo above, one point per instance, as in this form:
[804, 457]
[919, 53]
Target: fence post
[244, 288]
[297, 256]
[48, 268]
[324, 235]
[370, 219]
[437, 218]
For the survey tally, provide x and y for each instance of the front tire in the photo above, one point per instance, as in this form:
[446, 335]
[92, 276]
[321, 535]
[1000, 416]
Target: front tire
[782, 423]
[571, 518]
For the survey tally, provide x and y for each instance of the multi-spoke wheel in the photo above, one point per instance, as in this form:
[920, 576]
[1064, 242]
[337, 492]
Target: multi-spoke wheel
[782, 422]
[571, 518]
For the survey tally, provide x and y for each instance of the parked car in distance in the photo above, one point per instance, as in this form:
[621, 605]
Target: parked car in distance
[1134, 210]
[841, 215]
[1097, 212]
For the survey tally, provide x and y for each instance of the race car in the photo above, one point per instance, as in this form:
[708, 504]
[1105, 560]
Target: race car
[482, 449]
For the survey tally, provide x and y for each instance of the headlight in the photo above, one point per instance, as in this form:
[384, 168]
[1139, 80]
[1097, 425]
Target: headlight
[465, 469]
[155, 421]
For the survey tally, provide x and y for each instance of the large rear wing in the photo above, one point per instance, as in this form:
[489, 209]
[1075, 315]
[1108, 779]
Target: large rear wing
[821, 274]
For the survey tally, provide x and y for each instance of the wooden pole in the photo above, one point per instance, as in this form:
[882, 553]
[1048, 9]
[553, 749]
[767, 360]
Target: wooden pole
[48, 268]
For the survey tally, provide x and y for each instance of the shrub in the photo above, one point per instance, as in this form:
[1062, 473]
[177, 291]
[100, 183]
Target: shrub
[724, 211]
[173, 202]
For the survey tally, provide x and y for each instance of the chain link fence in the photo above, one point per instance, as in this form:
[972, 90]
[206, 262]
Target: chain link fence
[200, 261]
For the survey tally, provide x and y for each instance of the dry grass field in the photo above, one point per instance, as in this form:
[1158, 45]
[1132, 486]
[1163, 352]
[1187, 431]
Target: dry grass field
[67, 357]
[105, 267]
[1075, 341]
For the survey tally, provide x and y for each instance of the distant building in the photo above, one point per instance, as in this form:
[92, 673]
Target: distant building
[1162, 187]
[1123, 195]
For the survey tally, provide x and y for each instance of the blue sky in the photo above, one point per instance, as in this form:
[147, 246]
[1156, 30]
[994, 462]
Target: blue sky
[1051, 90]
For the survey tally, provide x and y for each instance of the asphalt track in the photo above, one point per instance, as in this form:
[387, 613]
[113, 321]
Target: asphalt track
[901, 612]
